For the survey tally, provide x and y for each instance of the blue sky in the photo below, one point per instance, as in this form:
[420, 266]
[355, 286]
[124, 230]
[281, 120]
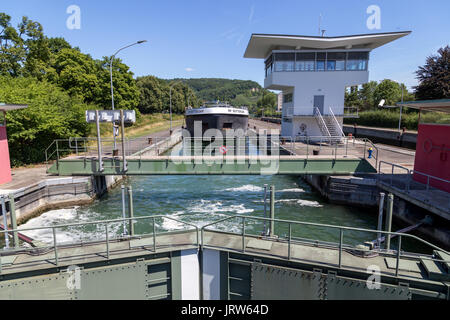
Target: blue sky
[207, 38]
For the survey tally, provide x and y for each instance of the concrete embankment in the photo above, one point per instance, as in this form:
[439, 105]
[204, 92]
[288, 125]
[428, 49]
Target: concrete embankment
[392, 137]
[363, 191]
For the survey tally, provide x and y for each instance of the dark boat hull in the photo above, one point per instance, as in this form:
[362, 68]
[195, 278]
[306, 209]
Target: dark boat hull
[221, 122]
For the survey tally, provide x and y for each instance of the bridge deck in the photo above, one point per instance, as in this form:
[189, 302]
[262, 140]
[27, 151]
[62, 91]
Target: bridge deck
[147, 165]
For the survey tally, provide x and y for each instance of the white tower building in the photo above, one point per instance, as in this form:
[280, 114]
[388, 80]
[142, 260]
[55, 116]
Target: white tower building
[313, 73]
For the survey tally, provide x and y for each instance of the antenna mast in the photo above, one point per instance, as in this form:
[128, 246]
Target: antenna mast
[321, 32]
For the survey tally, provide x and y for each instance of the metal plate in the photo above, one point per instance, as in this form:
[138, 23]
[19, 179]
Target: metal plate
[260, 244]
[145, 242]
[276, 283]
[52, 287]
[405, 265]
[8, 260]
[340, 288]
[124, 282]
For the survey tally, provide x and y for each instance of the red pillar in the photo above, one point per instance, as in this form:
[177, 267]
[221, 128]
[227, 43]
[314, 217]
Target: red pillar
[5, 166]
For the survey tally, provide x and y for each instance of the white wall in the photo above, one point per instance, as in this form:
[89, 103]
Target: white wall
[211, 274]
[306, 85]
[190, 281]
[312, 129]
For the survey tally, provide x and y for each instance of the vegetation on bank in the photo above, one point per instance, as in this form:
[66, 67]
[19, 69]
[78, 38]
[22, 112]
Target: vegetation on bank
[434, 83]
[390, 118]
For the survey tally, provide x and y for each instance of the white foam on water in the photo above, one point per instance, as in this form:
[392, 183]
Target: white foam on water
[169, 224]
[292, 190]
[212, 207]
[246, 188]
[301, 202]
[67, 234]
[308, 203]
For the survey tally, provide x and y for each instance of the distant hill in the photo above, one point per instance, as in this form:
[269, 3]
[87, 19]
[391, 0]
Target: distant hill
[236, 92]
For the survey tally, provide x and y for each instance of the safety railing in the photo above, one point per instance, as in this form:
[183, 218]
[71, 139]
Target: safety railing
[322, 125]
[336, 124]
[88, 147]
[384, 177]
[200, 243]
[252, 144]
[334, 146]
[405, 182]
[106, 240]
[341, 246]
[351, 112]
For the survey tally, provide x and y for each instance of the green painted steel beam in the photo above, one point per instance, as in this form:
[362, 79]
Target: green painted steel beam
[165, 166]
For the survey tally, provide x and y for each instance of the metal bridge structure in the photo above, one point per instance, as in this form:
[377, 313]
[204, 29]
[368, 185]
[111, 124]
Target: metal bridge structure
[227, 259]
[283, 155]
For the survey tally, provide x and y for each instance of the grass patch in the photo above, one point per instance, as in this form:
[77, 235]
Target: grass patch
[145, 125]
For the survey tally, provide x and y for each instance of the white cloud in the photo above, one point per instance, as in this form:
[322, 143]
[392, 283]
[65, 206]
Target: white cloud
[252, 12]
[189, 69]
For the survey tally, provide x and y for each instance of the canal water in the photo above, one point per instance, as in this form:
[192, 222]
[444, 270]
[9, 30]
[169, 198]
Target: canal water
[205, 199]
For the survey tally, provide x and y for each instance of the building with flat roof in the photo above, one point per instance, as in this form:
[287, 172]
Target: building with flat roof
[313, 74]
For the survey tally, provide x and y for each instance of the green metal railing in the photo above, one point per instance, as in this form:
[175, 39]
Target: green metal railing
[106, 239]
[340, 245]
[200, 241]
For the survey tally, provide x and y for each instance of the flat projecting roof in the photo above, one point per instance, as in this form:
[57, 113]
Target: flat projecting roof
[442, 105]
[10, 107]
[260, 45]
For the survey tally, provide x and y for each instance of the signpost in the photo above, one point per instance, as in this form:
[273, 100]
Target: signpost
[97, 116]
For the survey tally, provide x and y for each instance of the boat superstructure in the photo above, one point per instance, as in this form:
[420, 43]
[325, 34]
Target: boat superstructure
[216, 115]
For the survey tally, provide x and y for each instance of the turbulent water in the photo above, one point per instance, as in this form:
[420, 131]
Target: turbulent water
[204, 199]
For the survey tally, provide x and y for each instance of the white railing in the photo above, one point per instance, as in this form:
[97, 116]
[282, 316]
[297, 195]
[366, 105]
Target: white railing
[404, 182]
[336, 124]
[351, 112]
[322, 125]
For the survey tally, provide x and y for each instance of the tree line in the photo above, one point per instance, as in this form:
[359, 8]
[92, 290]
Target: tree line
[434, 83]
[59, 82]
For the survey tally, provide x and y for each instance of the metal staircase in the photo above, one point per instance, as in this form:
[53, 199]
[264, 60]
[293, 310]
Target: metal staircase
[329, 125]
[321, 122]
[333, 125]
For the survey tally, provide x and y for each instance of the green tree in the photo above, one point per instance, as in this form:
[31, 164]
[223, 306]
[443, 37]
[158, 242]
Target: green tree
[151, 94]
[76, 73]
[388, 90]
[23, 51]
[267, 103]
[366, 95]
[126, 92]
[155, 95]
[351, 97]
[51, 114]
[434, 76]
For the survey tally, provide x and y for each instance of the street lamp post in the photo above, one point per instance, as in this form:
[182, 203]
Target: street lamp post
[112, 87]
[170, 103]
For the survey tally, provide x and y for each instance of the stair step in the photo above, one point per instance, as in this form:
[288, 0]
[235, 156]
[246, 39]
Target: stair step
[443, 256]
[434, 270]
